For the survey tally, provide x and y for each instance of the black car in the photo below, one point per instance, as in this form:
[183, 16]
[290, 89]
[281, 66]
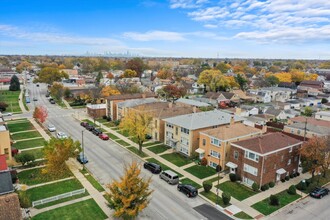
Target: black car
[97, 131]
[319, 192]
[153, 167]
[82, 158]
[90, 127]
[188, 190]
[84, 124]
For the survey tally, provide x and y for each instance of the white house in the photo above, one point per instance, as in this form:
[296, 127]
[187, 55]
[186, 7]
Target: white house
[323, 115]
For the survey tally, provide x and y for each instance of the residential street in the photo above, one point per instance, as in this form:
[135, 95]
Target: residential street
[106, 160]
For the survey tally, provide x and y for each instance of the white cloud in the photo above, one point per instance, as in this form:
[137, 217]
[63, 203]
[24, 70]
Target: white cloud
[210, 26]
[155, 36]
[185, 4]
[210, 13]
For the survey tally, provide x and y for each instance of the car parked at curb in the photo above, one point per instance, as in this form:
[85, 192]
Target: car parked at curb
[52, 101]
[97, 132]
[104, 137]
[84, 124]
[188, 190]
[152, 167]
[61, 135]
[319, 192]
[51, 127]
[82, 158]
[169, 176]
[90, 127]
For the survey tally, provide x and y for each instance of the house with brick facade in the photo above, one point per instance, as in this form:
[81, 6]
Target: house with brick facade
[182, 132]
[264, 159]
[5, 145]
[214, 144]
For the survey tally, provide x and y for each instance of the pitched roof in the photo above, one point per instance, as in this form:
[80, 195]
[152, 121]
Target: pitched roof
[227, 95]
[6, 185]
[202, 119]
[192, 102]
[320, 130]
[311, 121]
[231, 131]
[131, 96]
[135, 102]
[311, 82]
[267, 142]
[273, 111]
[10, 207]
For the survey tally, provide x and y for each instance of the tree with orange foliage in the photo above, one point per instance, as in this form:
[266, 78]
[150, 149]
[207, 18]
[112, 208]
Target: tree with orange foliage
[130, 195]
[109, 90]
[171, 92]
[40, 113]
[165, 73]
[316, 153]
[110, 76]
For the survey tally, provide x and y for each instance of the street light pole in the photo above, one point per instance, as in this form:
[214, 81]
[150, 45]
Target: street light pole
[83, 150]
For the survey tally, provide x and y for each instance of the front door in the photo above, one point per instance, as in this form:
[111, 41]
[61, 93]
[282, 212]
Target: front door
[278, 177]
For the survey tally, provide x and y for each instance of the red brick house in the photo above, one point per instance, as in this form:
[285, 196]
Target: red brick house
[264, 159]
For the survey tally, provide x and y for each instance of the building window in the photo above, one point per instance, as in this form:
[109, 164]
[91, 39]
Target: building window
[251, 156]
[292, 131]
[214, 154]
[289, 161]
[215, 142]
[282, 158]
[204, 142]
[185, 130]
[213, 165]
[184, 150]
[184, 141]
[176, 130]
[274, 166]
[250, 169]
[6, 151]
[295, 158]
[298, 131]
[236, 155]
[248, 181]
[169, 125]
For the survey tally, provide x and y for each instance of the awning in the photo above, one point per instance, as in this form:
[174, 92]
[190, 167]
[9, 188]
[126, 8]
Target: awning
[231, 165]
[200, 151]
[281, 171]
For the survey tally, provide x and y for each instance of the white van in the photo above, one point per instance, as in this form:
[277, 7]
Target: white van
[169, 176]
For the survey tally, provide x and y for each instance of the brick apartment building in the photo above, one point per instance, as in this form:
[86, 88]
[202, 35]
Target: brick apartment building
[264, 159]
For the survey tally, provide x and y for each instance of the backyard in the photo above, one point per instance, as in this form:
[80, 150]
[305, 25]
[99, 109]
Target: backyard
[237, 190]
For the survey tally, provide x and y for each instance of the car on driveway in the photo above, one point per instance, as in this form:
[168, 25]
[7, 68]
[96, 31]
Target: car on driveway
[90, 127]
[152, 167]
[61, 135]
[97, 132]
[104, 137]
[319, 192]
[188, 190]
[84, 124]
[82, 158]
[51, 127]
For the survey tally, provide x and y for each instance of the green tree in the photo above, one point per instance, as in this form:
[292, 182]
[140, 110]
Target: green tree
[308, 111]
[98, 78]
[223, 67]
[57, 91]
[14, 84]
[241, 80]
[50, 74]
[67, 92]
[272, 80]
[130, 195]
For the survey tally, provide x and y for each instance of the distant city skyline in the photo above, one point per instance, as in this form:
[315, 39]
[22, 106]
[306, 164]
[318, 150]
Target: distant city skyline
[264, 29]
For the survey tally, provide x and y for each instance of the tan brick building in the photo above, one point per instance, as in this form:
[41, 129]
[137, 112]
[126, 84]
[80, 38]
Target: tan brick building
[5, 147]
[264, 159]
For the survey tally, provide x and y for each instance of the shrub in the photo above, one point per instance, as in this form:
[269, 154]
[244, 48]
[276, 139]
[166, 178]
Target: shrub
[255, 187]
[25, 158]
[24, 199]
[226, 198]
[301, 185]
[203, 161]
[308, 182]
[271, 184]
[116, 122]
[292, 190]
[207, 185]
[287, 178]
[233, 177]
[104, 117]
[282, 180]
[264, 187]
[273, 199]
[298, 174]
[291, 176]
[294, 175]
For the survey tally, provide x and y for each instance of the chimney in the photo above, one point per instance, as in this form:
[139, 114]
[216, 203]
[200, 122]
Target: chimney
[170, 105]
[144, 95]
[232, 120]
[194, 109]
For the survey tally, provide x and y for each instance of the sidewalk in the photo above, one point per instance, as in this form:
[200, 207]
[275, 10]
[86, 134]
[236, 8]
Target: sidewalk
[40, 129]
[66, 104]
[20, 102]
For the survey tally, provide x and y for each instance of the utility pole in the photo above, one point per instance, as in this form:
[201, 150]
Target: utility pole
[305, 129]
[83, 150]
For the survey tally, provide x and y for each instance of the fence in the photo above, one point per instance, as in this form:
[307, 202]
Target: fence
[61, 196]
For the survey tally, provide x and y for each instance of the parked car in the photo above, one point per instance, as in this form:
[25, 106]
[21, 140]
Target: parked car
[61, 135]
[47, 95]
[51, 127]
[152, 167]
[90, 127]
[84, 124]
[35, 99]
[82, 158]
[104, 137]
[6, 114]
[97, 131]
[148, 136]
[169, 176]
[188, 190]
[319, 192]
[37, 85]
[52, 101]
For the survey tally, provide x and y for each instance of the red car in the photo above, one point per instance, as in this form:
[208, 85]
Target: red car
[104, 137]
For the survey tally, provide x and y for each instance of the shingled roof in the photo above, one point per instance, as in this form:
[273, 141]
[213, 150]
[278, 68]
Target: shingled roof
[267, 143]
[9, 207]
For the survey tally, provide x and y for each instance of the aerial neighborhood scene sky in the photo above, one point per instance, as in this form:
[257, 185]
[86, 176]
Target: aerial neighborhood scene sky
[294, 29]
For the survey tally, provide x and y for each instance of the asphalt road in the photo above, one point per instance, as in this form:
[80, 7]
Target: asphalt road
[106, 161]
[308, 208]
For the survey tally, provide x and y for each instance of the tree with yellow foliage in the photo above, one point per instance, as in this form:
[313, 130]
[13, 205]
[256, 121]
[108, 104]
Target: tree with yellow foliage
[137, 123]
[130, 195]
[128, 73]
[165, 73]
[213, 79]
[109, 90]
[23, 66]
[284, 76]
[56, 152]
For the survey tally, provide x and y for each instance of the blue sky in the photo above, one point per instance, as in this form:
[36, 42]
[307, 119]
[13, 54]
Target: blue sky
[298, 29]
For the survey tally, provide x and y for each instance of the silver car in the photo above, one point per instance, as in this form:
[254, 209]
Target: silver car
[61, 135]
[51, 128]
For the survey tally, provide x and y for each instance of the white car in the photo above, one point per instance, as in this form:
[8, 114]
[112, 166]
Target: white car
[61, 135]
[51, 127]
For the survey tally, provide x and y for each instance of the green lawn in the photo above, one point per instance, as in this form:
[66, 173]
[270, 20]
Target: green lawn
[189, 181]
[214, 179]
[62, 200]
[112, 136]
[38, 153]
[176, 159]
[26, 135]
[90, 122]
[96, 184]
[34, 176]
[87, 210]
[164, 167]
[213, 197]
[137, 152]
[124, 143]
[20, 126]
[151, 143]
[201, 171]
[101, 120]
[242, 215]
[265, 208]
[124, 133]
[53, 189]
[158, 148]
[237, 190]
[20, 120]
[29, 143]
[11, 98]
